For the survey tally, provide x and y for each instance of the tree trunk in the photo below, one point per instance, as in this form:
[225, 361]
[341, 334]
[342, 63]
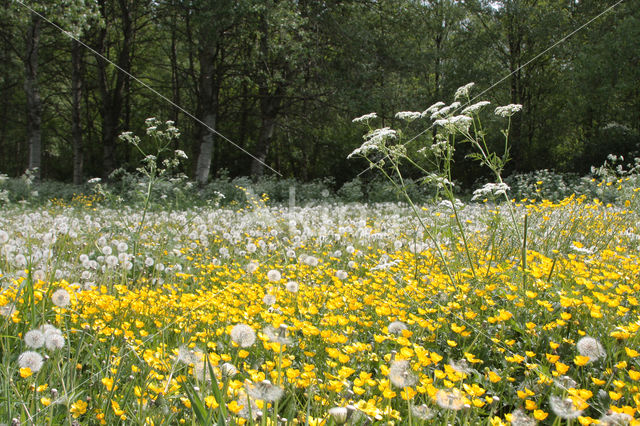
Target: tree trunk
[34, 102]
[269, 108]
[208, 106]
[112, 94]
[76, 123]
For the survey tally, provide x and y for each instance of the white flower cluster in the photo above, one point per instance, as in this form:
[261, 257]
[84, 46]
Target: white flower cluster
[490, 190]
[374, 140]
[463, 92]
[455, 124]
[408, 115]
[365, 117]
[472, 109]
[508, 110]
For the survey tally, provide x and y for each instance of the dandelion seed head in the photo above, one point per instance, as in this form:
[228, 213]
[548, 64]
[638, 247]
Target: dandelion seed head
[292, 287]
[269, 299]
[61, 298]
[278, 335]
[422, 412]
[452, 400]
[396, 327]
[401, 375]
[564, 408]
[274, 275]
[615, 419]
[588, 346]
[243, 335]
[54, 341]
[339, 414]
[34, 339]
[32, 360]
[520, 418]
[264, 391]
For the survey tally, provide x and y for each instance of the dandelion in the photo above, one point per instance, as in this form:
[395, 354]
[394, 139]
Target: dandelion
[4, 237]
[54, 341]
[274, 276]
[311, 261]
[278, 335]
[292, 287]
[341, 275]
[461, 366]
[615, 419]
[507, 110]
[397, 327]
[122, 247]
[61, 298]
[111, 261]
[269, 299]
[264, 391]
[187, 356]
[340, 415]
[422, 412]
[31, 360]
[34, 339]
[520, 418]
[588, 346]
[564, 408]
[565, 382]
[450, 400]
[251, 266]
[228, 370]
[401, 375]
[7, 310]
[243, 335]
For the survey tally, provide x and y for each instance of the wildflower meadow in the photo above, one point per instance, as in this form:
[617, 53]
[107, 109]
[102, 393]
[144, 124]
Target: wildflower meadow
[488, 310]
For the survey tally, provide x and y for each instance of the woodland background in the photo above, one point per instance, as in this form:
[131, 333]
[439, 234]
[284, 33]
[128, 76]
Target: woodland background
[284, 78]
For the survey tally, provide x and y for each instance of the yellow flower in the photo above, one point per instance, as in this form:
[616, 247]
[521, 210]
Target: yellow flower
[493, 377]
[78, 408]
[580, 360]
[45, 401]
[25, 372]
[631, 353]
[540, 415]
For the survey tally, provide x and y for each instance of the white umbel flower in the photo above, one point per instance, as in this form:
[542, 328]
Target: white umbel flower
[508, 110]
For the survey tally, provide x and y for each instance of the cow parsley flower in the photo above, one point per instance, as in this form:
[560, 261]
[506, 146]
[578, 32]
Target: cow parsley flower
[408, 115]
[508, 110]
[374, 141]
[457, 123]
[365, 117]
[463, 92]
[472, 109]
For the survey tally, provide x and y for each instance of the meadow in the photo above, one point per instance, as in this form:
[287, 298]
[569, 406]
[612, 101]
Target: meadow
[325, 314]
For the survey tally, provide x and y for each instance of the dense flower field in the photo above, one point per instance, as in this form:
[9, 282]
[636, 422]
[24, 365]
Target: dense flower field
[327, 314]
